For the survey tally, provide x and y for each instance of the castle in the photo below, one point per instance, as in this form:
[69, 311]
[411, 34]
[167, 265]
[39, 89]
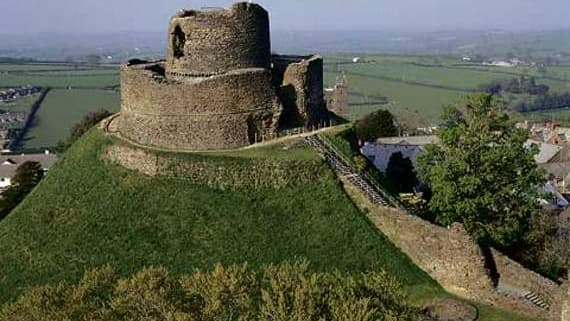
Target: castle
[219, 87]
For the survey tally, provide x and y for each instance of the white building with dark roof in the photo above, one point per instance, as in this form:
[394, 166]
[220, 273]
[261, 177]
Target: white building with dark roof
[10, 163]
[380, 152]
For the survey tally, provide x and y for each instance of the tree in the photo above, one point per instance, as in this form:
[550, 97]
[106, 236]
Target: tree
[400, 172]
[27, 176]
[482, 175]
[375, 125]
[90, 120]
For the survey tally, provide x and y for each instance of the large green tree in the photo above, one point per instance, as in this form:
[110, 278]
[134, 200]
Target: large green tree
[481, 174]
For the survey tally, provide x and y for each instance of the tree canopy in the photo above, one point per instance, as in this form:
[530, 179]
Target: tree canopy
[376, 125]
[481, 174]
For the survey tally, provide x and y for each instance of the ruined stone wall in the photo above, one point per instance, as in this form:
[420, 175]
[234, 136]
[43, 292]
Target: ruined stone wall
[222, 172]
[566, 306]
[214, 42]
[514, 274]
[456, 262]
[217, 112]
[299, 80]
[451, 256]
[337, 102]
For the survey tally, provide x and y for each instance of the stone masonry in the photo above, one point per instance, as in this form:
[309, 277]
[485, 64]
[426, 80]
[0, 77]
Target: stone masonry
[452, 258]
[217, 87]
[299, 80]
[338, 100]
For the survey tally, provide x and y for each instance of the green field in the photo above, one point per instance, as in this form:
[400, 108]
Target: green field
[76, 90]
[421, 86]
[64, 108]
[62, 79]
[412, 87]
[559, 115]
[33, 67]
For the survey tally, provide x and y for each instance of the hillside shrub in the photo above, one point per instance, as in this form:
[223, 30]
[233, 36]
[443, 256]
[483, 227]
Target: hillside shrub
[79, 129]
[286, 292]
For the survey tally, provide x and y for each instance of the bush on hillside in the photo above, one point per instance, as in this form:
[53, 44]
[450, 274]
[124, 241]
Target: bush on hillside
[376, 125]
[279, 293]
[90, 120]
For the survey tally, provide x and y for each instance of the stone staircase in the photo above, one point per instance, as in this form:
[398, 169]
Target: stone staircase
[522, 294]
[361, 180]
[536, 300]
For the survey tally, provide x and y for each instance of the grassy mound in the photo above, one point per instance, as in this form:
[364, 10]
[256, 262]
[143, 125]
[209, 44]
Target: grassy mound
[87, 213]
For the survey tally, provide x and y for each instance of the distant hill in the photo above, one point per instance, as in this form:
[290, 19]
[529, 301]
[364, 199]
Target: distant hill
[122, 46]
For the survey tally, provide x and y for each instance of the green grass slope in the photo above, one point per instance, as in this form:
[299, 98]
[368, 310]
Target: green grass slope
[87, 213]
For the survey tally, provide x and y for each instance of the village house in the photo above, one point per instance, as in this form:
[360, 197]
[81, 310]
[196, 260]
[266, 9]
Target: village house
[10, 163]
[555, 159]
[13, 117]
[10, 94]
[548, 132]
[380, 152]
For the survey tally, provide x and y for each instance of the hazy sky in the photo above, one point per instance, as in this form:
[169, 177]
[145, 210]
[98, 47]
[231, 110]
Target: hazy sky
[152, 15]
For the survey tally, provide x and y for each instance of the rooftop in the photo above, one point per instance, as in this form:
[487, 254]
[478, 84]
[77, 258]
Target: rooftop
[411, 140]
[9, 163]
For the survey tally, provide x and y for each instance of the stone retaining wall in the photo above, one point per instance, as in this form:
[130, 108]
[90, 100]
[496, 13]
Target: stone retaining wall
[216, 171]
[514, 274]
[456, 262]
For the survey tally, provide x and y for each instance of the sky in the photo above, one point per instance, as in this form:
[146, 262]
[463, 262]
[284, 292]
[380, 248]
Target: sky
[31, 16]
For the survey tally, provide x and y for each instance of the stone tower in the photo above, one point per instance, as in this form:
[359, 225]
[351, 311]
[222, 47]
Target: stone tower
[214, 91]
[219, 87]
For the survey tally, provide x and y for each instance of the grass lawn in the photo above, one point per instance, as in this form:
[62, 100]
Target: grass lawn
[64, 108]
